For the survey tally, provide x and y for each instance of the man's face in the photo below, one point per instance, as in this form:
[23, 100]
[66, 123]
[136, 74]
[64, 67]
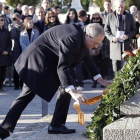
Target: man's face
[45, 4]
[25, 11]
[133, 10]
[120, 8]
[82, 19]
[1, 7]
[107, 6]
[40, 13]
[7, 12]
[93, 42]
[31, 11]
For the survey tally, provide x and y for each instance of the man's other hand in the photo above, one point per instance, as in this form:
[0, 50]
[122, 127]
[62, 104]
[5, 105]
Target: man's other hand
[103, 82]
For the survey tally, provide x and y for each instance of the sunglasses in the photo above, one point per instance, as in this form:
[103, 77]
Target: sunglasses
[52, 17]
[95, 18]
[1, 19]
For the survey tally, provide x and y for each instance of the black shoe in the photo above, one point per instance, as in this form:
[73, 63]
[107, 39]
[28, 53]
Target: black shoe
[4, 133]
[94, 84]
[60, 130]
[102, 86]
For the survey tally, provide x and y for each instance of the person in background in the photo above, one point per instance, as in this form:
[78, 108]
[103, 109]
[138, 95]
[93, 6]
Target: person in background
[31, 11]
[1, 7]
[83, 18]
[28, 34]
[46, 5]
[5, 49]
[51, 20]
[71, 17]
[101, 60]
[56, 9]
[25, 12]
[107, 10]
[119, 29]
[40, 18]
[7, 17]
[133, 9]
[14, 29]
[137, 17]
[18, 9]
[76, 73]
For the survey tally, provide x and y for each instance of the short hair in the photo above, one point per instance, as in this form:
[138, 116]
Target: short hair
[45, 0]
[107, 1]
[19, 5]
[24, 7]
[82, 13]
[30, 7]
[94, 29]
[16, 15]
[120, 1]
[133, 6]
[6, 7]
[56, 7]
[39, 7]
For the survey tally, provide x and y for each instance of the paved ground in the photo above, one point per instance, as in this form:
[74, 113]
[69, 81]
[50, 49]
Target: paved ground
[31, 125]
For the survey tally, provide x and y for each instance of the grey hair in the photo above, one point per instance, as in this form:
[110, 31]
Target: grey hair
[94, 29]
[120, 1]
[133, 6]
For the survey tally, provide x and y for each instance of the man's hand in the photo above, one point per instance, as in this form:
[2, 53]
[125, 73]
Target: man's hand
[115, 39]
[4, 53]
[124, 37]
[103, 82]
[80, 98]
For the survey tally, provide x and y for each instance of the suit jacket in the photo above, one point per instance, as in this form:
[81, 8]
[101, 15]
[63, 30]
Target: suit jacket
[45, 64]
[24, 38]
[111, 28]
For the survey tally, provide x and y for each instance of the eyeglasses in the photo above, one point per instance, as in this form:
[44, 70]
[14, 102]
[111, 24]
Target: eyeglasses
[95, 43]
[95, 18]
[52, 17]
[1, 19]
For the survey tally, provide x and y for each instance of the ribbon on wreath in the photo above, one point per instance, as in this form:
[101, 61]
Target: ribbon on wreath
[90, 101]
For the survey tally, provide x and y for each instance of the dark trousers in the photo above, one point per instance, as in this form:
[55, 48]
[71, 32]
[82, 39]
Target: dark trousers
[25, 97]
[17, 81]
[2, 75]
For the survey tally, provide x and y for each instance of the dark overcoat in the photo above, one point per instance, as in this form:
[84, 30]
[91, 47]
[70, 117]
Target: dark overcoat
[44, 65]
[5, 45]
[111, 28]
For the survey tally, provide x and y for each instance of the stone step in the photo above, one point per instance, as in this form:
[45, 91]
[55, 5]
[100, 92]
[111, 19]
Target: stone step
[126, 128]
[131, 107]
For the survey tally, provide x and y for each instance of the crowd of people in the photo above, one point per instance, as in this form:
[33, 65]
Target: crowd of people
[50, 57]
[20, 28]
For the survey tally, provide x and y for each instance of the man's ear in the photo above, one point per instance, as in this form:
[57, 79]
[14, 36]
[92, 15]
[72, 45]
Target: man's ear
[86, 35]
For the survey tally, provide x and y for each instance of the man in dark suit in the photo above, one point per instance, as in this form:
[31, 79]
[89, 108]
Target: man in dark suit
[119, 29]
[44, 66]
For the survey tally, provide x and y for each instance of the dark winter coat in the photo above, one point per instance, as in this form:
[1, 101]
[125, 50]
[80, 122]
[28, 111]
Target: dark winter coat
[45, 64]
[5, 45]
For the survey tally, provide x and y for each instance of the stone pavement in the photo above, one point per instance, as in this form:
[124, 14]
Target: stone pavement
[31, 125]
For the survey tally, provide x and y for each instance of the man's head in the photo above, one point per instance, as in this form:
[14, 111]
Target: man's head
[1, 7]
[25, 10]
[94, 35]
[120, 5]
[45, 4]
[19, 6]
[82, 16]
[40, 13]
[7, 10]
[56, 9]
[31, 10]
[133, 9]
[107, 5]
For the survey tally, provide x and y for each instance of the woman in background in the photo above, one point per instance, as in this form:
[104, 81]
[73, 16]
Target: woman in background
[14, 29]
[29, 33]
[51, 20]
[71, 17]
